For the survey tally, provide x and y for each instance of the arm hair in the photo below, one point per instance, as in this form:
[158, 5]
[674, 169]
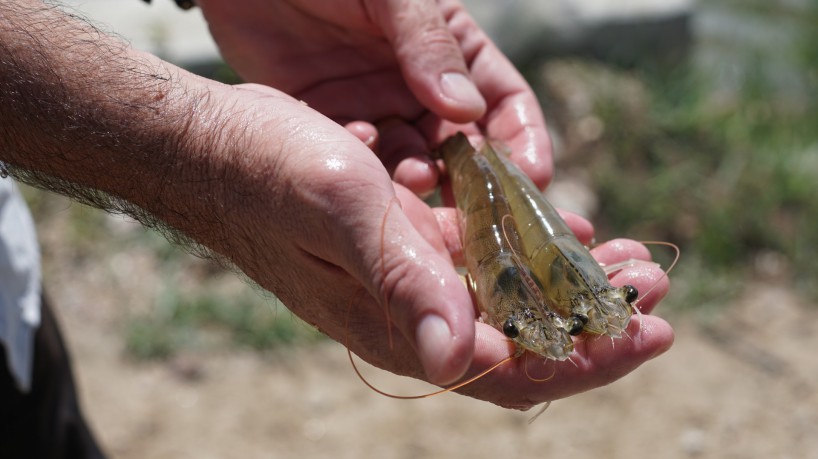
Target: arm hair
[84, 115]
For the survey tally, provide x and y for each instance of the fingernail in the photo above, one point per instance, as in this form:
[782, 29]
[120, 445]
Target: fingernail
[459, 88]
[434, 338]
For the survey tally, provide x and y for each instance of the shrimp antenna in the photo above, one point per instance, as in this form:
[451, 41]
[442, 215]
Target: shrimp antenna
[542, 410]
[667, 271]
[355, 295]
[537, 380]
[639, 316]
[610, 270]
[431, 394]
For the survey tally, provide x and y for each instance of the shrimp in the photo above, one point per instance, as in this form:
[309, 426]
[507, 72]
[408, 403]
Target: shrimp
[575, 285]
[509, 295]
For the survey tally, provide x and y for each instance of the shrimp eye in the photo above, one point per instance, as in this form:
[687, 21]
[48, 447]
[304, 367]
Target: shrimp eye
[577, 323]
[510, 330]
[630, 293]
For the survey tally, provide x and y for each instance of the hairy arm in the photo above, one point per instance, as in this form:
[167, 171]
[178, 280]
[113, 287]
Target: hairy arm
[288, 196]
[84, 115]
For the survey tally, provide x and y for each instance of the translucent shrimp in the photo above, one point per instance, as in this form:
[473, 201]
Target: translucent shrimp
[508, 293]
[574, 283]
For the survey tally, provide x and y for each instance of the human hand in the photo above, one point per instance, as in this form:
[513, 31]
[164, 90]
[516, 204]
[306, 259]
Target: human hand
[312, 215]
[399, 72]
[385, 74]
[314, 221]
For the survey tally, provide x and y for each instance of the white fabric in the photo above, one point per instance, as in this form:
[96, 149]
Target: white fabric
[19, 283]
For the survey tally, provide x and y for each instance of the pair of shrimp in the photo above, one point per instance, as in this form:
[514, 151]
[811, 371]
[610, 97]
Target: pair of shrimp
[508, 293]
[531, 278]
[574, 284]
[524, 261]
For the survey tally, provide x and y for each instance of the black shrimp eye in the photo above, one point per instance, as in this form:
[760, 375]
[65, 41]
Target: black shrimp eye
[577, 323]
[630, 293]
[510, 330]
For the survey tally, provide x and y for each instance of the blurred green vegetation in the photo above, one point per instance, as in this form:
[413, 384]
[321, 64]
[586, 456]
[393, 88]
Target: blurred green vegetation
[205, 321]
[718, 154]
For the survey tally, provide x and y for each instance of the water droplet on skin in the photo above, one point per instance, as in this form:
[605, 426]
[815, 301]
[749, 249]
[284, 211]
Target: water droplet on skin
[335, 163]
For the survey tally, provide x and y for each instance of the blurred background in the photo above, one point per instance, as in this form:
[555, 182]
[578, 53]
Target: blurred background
[694, 123]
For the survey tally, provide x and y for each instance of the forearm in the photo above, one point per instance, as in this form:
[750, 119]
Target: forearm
[83, 114]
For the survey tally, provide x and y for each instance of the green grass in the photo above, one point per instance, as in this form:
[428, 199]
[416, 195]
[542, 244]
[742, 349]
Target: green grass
[207, 321]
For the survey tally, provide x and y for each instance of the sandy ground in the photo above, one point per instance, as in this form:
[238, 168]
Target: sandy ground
[739, 385]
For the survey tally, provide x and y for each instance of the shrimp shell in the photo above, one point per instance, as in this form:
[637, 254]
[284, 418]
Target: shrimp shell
[574, 284]
[508, 293]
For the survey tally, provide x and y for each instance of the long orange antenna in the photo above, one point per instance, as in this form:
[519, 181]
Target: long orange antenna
[431, 394]
[357, 293]
[538, 380]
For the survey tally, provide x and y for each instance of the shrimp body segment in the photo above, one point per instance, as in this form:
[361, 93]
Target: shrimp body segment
[508, 293]
[574, 284]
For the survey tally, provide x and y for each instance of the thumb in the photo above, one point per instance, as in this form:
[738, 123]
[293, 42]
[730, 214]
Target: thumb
[427, 301]
[430, 58]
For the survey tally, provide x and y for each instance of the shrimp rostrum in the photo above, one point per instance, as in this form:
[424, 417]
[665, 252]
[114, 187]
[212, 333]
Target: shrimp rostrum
[507, 291]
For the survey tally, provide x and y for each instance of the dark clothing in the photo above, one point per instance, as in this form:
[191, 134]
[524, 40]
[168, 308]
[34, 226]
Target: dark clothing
[46, 422]
[183, 4]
